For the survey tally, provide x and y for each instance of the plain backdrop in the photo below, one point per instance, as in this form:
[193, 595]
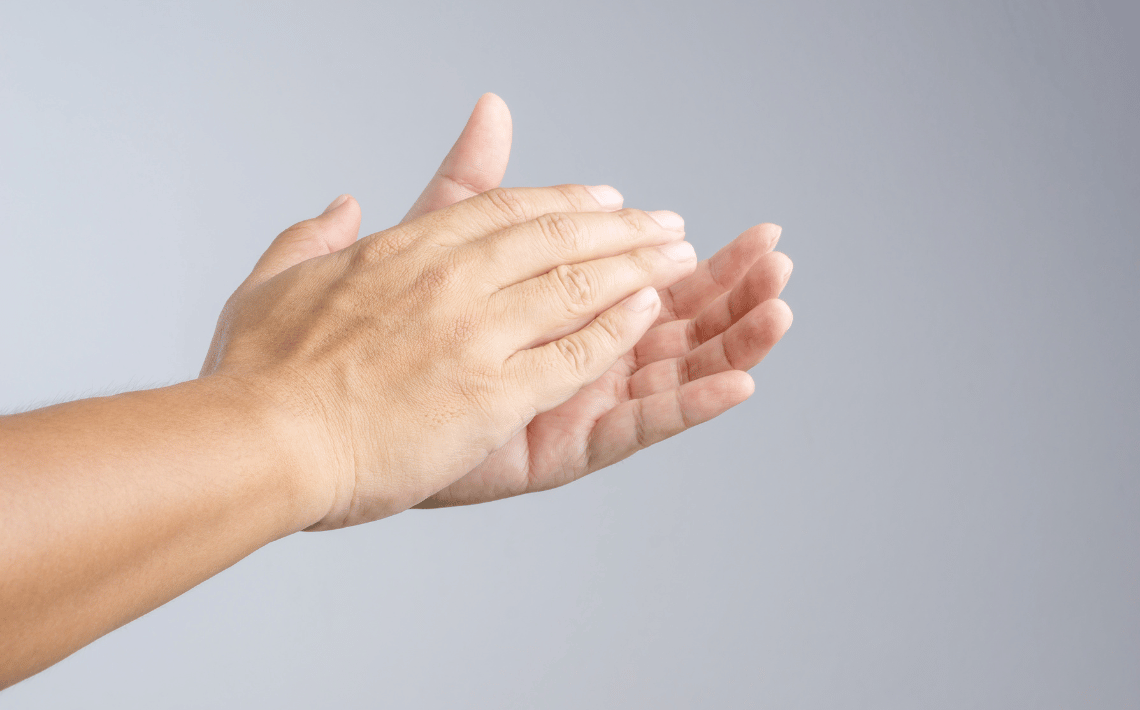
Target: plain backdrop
[932, 500]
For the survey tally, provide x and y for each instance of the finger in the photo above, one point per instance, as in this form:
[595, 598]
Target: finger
[503, 207]
[565, 298]
[638, 423]
[475, 164]
[332, 230]
[741, 347]
[764, 281]
[552, 373]
[718, 273]
[527, 250]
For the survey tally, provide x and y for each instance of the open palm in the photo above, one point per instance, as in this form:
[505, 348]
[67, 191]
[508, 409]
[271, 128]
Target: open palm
[716, 323]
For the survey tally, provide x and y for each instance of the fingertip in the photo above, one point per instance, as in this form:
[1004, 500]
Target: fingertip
[713, 395]
[644, 300]
[745, 385]
[337, 203]
[492, 100]
[781, 314]
[342, 208]
[783, 265]
[490, 108]
[735, 385]
[771, 231]
[607, 197]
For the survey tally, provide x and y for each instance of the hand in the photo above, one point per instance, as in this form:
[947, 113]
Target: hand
[714, 324]
[402, 360]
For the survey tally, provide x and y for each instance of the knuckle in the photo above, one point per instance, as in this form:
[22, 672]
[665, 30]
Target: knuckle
[462, 329]
[436, 278]
[507, 203]
[610, 329]
[644, 261]
[562, 232]
[372, 250]
[576, 196]
[576, 286]
[370, 253]
[636, 222]
[574, 354]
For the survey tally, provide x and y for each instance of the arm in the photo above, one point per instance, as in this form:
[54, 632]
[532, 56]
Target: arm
[339, 389]
[111, 506]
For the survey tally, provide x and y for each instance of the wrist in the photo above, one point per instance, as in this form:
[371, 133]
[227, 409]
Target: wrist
[291, 452]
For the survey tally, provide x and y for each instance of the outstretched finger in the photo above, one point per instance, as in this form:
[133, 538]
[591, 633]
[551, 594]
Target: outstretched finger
[718, 273]
[764, 281]
[741, 347]
[642, 422]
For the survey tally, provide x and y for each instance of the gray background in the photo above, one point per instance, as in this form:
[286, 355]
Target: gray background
[931, 502]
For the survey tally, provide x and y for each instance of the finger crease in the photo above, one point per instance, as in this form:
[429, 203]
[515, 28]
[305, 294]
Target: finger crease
[639, 432]
[465, 185]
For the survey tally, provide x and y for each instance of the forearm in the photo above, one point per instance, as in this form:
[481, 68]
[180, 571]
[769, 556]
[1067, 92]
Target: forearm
[109, 507]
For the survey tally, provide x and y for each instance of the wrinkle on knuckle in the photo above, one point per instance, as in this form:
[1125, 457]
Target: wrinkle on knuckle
[436, 279]
[611, 328]
[576, 196]
[643, 261]
[372, 251]
[563, 233]
[575, 354]
[576, 286]
[507, 203]
[634, 221]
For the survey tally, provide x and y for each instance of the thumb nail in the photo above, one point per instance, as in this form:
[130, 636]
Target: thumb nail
[336, 203]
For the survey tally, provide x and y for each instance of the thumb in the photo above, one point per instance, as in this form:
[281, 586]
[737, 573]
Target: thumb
[477, 161]
[332, 230]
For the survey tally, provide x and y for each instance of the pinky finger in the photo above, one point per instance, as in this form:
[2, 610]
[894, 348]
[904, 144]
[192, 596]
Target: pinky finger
[639, 423]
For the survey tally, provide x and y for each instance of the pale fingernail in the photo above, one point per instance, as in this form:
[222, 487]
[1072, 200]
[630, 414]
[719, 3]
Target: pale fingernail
[679, 251]
[336, 203]
[668, 220]
[643, 300]
[605, 195]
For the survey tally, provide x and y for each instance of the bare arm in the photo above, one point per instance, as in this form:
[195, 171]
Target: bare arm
[112, 506]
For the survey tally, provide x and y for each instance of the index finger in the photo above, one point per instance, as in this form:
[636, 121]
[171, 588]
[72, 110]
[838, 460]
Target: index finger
[502, 207]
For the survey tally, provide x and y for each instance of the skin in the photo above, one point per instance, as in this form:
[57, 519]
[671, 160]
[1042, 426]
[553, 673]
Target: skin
[496, 342]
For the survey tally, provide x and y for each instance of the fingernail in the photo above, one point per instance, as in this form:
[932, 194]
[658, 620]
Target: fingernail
[679, 251]
[336, 203]
[605, 195]
[668, 220]
[643, 300]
